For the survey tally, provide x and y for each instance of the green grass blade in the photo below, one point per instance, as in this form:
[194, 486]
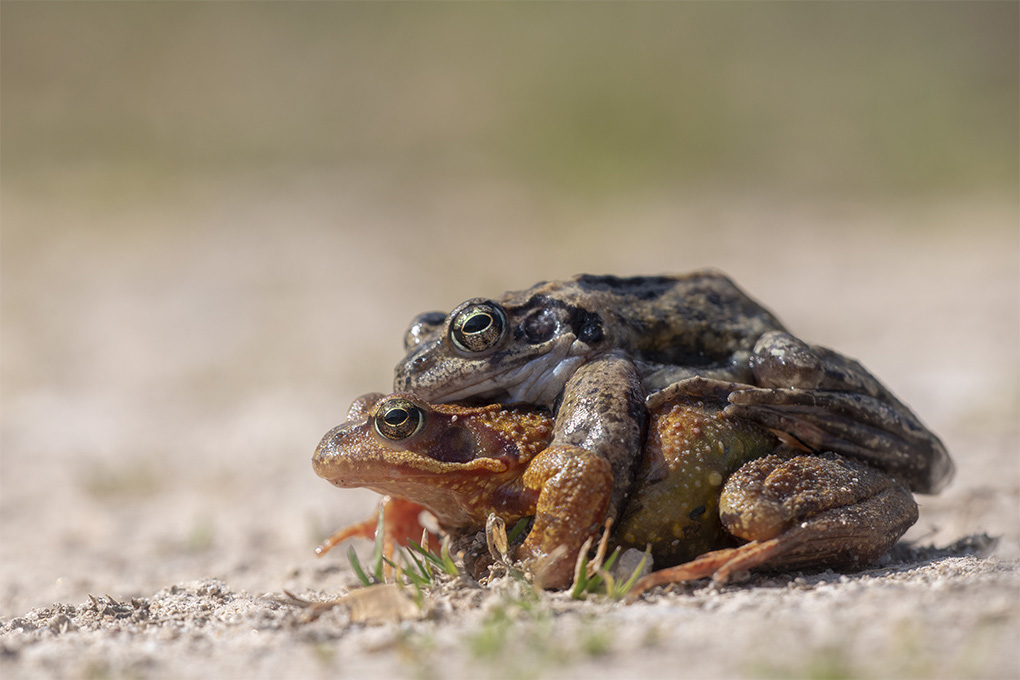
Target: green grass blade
[419, 551]
[624, 588]
[427, 554]
[518, 528]
[611, 560]
[448, 564]
[424, 568]
[356, 565]
[579, 586]
[580, 574]
[414, 579]
[443, 561]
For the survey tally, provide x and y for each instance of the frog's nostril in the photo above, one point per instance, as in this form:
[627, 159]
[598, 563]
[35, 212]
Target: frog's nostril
[420, 364]
[328, 449]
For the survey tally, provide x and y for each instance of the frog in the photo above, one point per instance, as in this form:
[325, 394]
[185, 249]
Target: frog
[715, 495]
[599, 351]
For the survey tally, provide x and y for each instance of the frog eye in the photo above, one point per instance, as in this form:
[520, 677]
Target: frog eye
[478, 327]
[398, 419]
[422, 328]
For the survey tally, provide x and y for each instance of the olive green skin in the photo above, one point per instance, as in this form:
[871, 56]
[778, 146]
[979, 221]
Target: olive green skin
[691, 450]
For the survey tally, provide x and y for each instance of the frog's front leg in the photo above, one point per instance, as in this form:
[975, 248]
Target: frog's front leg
[400, 524]
[829, 402]
[801, 511]
[587, 471]
[575, 487]
[603, 411]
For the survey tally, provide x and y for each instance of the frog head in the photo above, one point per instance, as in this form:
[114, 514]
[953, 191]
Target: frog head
[459, 462]
[519, 349]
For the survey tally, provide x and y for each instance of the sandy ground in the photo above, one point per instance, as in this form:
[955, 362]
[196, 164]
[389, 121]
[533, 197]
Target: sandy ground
[170, 364]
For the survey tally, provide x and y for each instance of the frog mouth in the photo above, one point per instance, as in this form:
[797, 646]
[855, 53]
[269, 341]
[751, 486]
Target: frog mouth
[388, 477]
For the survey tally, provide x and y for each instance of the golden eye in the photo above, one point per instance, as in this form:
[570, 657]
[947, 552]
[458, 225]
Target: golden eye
[478, 327]
[398, 419]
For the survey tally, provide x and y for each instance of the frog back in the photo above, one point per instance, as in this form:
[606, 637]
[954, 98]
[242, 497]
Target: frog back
[695, 319]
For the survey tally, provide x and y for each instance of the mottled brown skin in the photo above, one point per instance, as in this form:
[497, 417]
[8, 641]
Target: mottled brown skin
[706, 481]
[694, 324]
[593, 347]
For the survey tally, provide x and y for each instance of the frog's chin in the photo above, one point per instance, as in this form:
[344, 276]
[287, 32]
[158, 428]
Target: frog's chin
[542, 384]
[539, 381]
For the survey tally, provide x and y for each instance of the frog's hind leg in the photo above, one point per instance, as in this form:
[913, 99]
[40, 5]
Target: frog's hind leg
[829, 402]
[709, 564]
[799, 511]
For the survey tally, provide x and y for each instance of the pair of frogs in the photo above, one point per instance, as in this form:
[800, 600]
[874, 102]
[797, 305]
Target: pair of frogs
[676, 406]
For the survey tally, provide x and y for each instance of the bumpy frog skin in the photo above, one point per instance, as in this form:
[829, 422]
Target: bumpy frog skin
[524, 346]
[598, 345]
[706, 481]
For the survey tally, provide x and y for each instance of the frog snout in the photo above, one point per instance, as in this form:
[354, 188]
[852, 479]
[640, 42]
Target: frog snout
[329, 450]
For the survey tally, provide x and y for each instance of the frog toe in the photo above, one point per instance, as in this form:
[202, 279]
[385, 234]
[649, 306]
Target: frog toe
[704, 566]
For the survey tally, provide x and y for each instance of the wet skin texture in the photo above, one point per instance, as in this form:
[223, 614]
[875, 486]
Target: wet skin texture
[599, 350]
[715, 494]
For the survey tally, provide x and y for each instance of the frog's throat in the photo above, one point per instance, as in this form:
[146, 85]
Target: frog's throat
[539, 381]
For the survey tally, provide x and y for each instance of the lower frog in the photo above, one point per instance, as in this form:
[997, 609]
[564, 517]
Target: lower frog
[714, 493]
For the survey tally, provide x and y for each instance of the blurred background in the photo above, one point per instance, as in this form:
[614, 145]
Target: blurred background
[218, 218]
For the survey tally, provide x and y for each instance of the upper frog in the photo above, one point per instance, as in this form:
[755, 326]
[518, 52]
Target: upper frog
[523, 346]
[704, 480]
[594, 347]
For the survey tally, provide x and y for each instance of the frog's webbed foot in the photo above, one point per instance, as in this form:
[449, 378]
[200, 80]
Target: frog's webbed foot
[799, 511]
[697, 387]
[657, 377]
[829, 402]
